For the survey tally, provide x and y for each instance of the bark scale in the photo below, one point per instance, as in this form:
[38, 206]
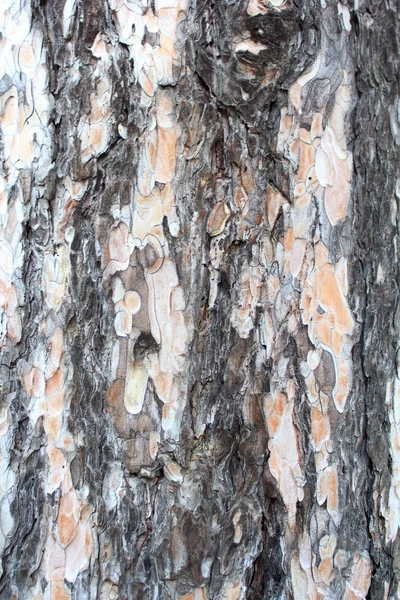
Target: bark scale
[198, 292]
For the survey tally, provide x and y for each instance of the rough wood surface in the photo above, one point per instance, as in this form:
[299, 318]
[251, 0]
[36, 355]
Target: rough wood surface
[198, 299]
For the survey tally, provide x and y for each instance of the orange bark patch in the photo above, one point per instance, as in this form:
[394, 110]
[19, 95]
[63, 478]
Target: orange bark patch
[330, 295]
[59, 591]
[273, 424]
[55, 384]
[52, 426]
[361, 574]
[217, 219]
[34, 382]
[274, 202]
[56, 403]
[333, 499]
[67, 527]
[289, 240]
[166, 154]
[320, 428]
[117, 249]
[68, 518]
[280, 403]
[115, 394]
[325, 570]
[78, 552]
[68, 210]
[350, 594]
[197, 594]
[307, 160]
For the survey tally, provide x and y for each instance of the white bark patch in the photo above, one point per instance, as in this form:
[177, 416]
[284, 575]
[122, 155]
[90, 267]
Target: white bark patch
[68, 17]
[135, 388]
[391, 507]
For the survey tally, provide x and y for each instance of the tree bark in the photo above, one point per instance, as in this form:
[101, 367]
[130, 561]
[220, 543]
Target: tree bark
[198, 293]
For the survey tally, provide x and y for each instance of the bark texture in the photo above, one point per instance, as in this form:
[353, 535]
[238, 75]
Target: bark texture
[198, 294]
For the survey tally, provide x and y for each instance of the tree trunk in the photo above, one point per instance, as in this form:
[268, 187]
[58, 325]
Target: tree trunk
[198, 290]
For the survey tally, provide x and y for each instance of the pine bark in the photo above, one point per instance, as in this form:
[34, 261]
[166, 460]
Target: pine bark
[200, 386]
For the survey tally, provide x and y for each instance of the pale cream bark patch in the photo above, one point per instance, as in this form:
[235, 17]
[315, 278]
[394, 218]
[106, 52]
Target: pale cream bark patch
[303, 583]
[248, 298]
[297, 87]
[69, 540]
[333, 162]
[360, 579]
[330, 322]
[324, 308]
[135, 387]
[197, 594]
[217, 219]
[26, 142]
[261, 7]
[45, 375]
[314, 582]
[274, 201]
[94, 131]
[26, 145]
[284, 461]
[140, 226]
